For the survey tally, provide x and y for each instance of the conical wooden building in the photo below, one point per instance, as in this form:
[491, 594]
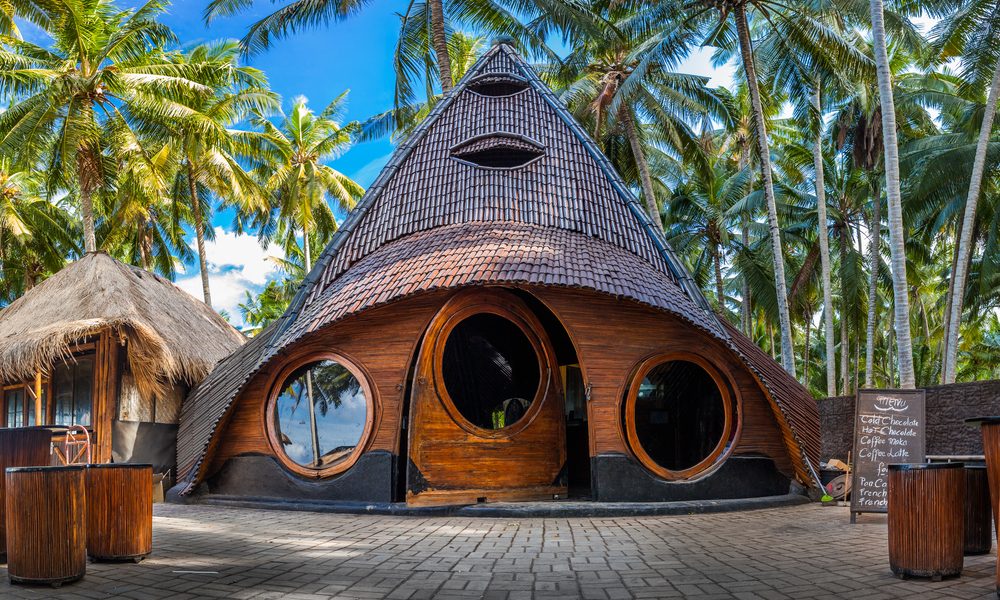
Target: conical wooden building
[498, 319]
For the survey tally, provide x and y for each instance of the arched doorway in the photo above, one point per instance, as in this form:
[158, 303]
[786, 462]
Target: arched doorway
[486, 412]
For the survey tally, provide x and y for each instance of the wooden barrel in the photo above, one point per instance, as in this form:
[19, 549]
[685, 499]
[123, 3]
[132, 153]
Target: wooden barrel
[990, 427]
[926, 519]
[119, 511]
[46, 524]
[20, 447]
[978, 511]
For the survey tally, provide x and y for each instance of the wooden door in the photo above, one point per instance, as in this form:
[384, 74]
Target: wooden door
[486, 413]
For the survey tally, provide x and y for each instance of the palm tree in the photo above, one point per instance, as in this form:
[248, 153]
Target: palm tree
[105, 67]
[619, 78]
[209, 148]
[294, 153]
[423, 47]
[897, 232]
[703, 213]
[35, 234]
[965, 32]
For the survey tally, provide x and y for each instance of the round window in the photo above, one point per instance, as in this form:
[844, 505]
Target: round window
[320, 415]
[679, 416]
[490, 370]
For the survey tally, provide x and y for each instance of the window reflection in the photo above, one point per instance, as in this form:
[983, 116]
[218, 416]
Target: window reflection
[72, 387]
[320, 414]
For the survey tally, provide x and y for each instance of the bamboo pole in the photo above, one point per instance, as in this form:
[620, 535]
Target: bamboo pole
[38, 397]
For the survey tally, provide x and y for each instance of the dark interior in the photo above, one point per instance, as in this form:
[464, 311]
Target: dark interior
[575, 396]
[500, 157]
[497, 86]
[679, 414]
[490, 370]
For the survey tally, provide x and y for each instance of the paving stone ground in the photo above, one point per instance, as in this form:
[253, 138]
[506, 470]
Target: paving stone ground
[797, 552]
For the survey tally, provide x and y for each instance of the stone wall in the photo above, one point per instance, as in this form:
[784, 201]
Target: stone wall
[947, 407]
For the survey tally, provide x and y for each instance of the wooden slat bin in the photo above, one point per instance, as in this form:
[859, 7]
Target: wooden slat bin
[926, 519]
[119, 511]
[20, 447]
[46, 524]
[990, 428]
[978, 511]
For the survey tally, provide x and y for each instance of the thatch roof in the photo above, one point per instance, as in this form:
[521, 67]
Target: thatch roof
[172, 337]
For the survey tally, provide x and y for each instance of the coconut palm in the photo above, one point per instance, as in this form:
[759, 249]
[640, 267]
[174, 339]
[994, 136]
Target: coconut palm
[897, 231]
[35, 234]
[72, 100]
[208, 147]
[426, 27]
[294, 153]
[972, 32]
[619, 80]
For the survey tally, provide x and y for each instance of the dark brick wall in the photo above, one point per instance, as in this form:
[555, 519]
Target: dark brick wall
[947, 407]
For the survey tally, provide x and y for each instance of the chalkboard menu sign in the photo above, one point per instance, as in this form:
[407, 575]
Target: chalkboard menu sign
[888, 429]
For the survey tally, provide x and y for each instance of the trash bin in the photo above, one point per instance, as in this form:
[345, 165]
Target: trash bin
[990, 428]
[926, 519]
[119, 511]
[21, 447]
[46, 524]
[978, 511]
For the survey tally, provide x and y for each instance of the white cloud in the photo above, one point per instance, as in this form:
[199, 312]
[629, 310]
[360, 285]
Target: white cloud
[236, 264]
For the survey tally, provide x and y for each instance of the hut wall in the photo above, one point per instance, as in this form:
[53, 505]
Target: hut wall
[384, 341]
[759, 463]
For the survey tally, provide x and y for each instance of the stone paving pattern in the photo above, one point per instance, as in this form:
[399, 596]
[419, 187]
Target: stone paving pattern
[799, 552]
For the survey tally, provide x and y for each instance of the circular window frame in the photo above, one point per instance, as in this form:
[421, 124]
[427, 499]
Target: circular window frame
[273, 438]
[732, 412]
[512, 313]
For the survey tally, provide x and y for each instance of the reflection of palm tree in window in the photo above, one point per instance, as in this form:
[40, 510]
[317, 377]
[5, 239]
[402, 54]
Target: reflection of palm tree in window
[323, 386]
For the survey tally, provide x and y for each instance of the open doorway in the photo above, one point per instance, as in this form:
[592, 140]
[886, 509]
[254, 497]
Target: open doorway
[577, 468]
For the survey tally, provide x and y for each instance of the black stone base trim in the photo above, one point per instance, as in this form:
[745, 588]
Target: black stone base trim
[620, 478]
[518, 510]
[260, 476]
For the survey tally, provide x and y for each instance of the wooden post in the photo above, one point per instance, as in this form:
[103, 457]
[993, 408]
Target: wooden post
[38, 398]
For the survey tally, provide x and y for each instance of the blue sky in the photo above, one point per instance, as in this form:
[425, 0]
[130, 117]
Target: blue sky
[353, 55]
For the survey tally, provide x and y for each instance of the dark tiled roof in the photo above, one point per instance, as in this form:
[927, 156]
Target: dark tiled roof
[430, 221]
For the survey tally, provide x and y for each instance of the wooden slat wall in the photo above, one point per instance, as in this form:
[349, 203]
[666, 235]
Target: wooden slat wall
[382, 341]
[613, 336]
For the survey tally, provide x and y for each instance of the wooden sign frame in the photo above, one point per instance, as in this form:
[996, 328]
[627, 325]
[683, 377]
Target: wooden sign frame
[889, 427]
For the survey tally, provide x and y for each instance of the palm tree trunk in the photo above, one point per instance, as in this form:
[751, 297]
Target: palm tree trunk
[747, 307]
[87, 213]
[784, 321]
[199, 232]
[845, 346]
[824, 251]
[640, 162]
[805, 352]
[440, 42]
[897, 242]
[968, 223]
[946, 326]
[875, 237]
[720, 290]
[306, 254]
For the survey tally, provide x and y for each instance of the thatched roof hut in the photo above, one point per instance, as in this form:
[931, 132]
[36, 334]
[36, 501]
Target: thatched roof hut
[112, 348]
[172, 337]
